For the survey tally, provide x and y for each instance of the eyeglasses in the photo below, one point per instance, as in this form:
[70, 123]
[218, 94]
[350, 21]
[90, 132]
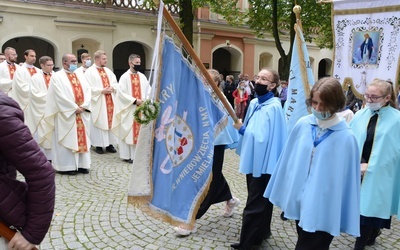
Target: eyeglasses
[263, 78]
[373, 98]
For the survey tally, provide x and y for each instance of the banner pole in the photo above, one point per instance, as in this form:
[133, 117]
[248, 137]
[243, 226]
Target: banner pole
[198, 62]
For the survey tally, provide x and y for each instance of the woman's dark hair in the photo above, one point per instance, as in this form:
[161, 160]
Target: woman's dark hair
[330, 93]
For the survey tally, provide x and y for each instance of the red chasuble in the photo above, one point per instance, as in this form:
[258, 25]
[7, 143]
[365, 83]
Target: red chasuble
[79, 100]
[109, 100]
[136, 93]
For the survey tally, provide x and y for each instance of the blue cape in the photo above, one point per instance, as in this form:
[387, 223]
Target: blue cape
[319, 186]
[380, 188]
[229, 136]
[263, 140]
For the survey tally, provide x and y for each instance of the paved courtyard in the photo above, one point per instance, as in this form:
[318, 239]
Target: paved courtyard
[92, 213]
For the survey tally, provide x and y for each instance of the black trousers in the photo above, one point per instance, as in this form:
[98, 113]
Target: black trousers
[312, 241]
[366, 233]
[256, 222]
[219, 189]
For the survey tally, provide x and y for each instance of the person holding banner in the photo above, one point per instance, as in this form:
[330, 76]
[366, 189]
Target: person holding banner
[219, 190]
[316, 180]
[377, 129]
[263, 136]
[27, 205]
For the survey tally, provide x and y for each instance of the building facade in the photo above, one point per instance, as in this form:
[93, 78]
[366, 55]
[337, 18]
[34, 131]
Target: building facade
[123, 27]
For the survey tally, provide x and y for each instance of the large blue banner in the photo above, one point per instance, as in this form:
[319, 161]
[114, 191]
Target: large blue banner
[184, 138]
[300, 81]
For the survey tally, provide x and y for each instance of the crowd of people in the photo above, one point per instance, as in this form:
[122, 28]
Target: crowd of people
[74, 109]
[53, 119]
[332, 173]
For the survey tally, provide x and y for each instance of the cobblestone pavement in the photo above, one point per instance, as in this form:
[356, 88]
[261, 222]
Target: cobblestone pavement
[92, 213]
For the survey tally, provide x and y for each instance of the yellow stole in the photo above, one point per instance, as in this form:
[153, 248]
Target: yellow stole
[79, 100]
[137, 94]
[32, 71]
[109, 100]
[11, 69]
[47, 78]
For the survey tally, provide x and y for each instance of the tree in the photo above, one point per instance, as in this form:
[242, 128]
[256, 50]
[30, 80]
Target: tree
[277, 17]
[265, 17]
[226, 8]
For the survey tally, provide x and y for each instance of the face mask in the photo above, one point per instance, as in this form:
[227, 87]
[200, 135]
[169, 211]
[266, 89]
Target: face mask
[320, 115]
[136, 67]
[373, 106]
[72, 67]
[88, 63]
[260, 89]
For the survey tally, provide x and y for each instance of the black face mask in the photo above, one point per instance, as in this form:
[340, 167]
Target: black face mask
[260, 89]
[136, 67]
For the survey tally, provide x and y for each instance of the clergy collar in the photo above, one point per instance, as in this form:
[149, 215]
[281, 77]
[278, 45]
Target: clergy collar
[9, 63]
[29, 66]
[324, 124]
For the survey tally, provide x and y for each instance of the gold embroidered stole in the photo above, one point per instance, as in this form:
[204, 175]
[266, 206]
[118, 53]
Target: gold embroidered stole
[109, 100]
[32, 71]
[47, 78]
[11, 69]
[136, 93]
[79, 100]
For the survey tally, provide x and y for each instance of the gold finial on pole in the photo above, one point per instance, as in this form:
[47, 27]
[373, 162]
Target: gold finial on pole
[297, 10]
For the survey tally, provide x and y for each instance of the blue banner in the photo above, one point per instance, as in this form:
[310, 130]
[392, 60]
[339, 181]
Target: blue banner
[301, 79]
[184, 138]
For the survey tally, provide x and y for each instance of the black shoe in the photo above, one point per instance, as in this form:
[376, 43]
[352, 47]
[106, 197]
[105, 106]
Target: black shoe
[83, 170]
[99, 150]
[111, 149]
[235, 245]
[283, 216]
[267, 235]
[372, 238]
[128, 161]
[67, 172]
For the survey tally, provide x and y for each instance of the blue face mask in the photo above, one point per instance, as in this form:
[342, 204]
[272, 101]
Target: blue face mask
[88, 63]
[72, 67]
[320, 115]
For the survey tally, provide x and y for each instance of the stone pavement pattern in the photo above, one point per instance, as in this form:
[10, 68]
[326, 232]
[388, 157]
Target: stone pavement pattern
[92, 213]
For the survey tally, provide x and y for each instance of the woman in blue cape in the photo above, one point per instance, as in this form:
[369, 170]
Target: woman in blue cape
[377, 130]
[263, 136]
[317, 178]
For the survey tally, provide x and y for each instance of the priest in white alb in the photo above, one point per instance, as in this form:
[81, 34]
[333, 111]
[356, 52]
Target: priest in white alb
[102, 82]
[7, 70]
[22, 80]
[37, 104]
[68, 114]
[133, 89]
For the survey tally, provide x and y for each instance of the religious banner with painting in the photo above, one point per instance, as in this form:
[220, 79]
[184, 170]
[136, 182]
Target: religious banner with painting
[367, 38]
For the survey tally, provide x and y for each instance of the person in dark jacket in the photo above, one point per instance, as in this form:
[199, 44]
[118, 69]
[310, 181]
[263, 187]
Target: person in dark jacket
[26, 205]
[230, 86]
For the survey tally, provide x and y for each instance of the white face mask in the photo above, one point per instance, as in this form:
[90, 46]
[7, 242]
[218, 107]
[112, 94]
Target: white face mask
[321, 115]
[373, 106]
[88, 63]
